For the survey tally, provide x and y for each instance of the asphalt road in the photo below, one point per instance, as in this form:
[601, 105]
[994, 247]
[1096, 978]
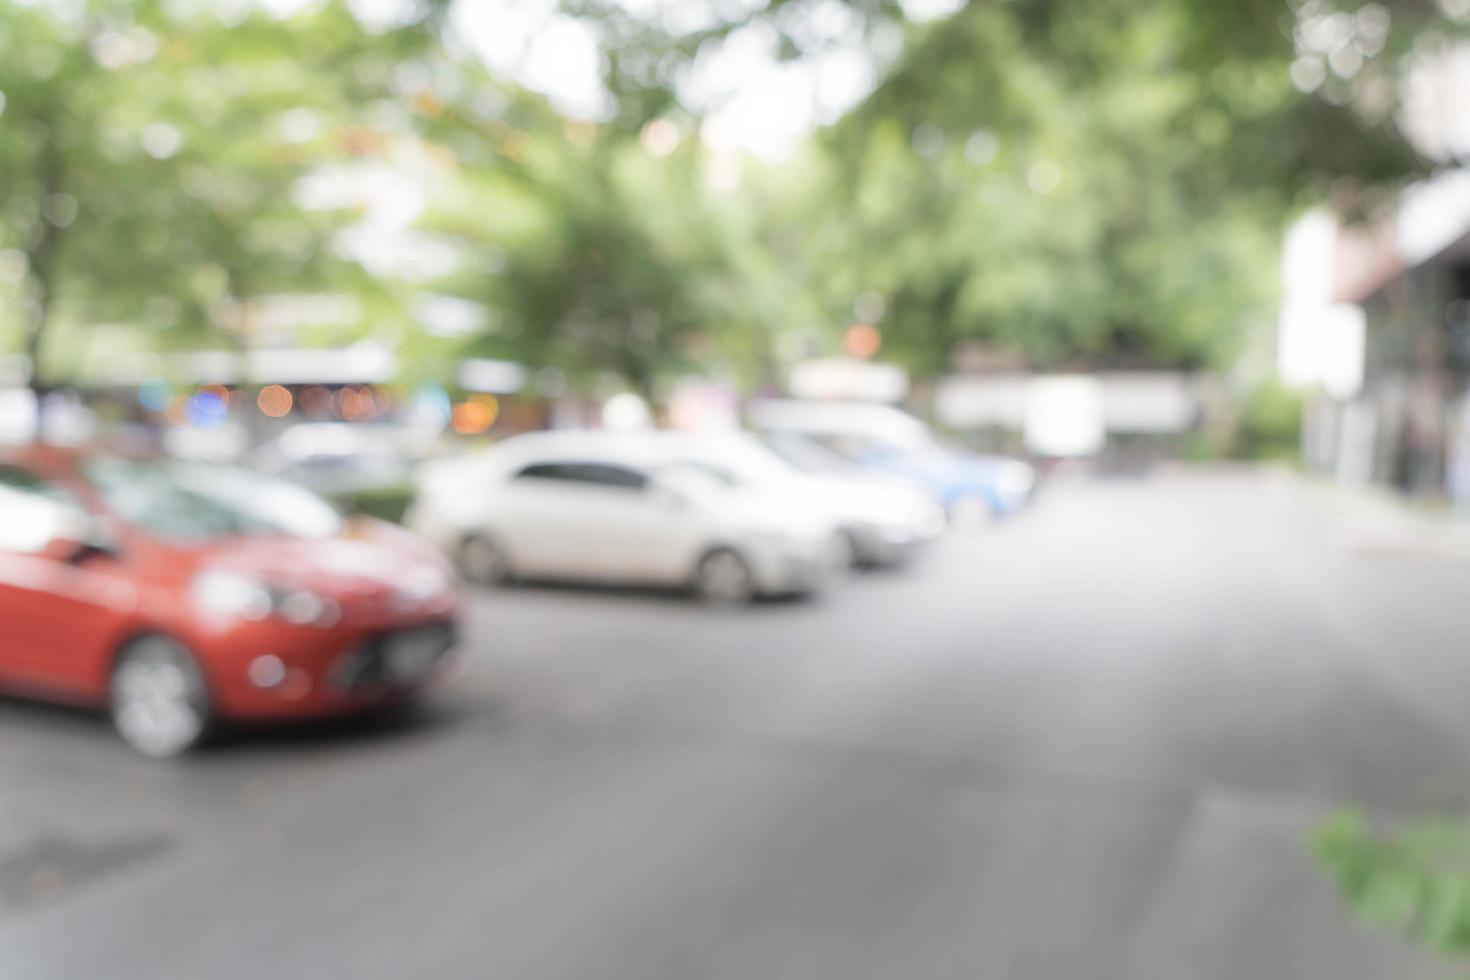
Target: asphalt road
[1086, 744]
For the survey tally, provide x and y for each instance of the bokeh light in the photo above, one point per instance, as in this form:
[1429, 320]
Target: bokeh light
[315, 400]
[177, 410]
[275, 401]
[207, 409]
[862, 340]
[429, 406]
[475, 415]
[355, 404]
[155, 394]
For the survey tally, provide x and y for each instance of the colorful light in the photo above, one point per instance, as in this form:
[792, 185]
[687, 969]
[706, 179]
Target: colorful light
[155, 394]
[207, 409]
[177, 411]
[355, 404]
[430, 405]
[475, 415]
[862, 340]
[315, 400]
[275, 401]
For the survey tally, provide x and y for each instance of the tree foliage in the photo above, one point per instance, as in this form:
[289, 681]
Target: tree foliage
[149, 154]
[1415, 883]
[1090, 183]
[1067, 183]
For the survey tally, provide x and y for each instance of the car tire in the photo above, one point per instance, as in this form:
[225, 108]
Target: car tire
[158, 698]
[406, 712]
[848, 554]
[483, 562]
[723, 578]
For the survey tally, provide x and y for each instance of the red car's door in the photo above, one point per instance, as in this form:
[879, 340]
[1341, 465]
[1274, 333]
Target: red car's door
[58, 618]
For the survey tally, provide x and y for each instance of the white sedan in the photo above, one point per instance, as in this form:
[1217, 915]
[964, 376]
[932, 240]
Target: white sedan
[617, 507]
[883, 520]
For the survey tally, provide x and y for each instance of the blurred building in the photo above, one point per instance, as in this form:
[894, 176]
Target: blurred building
[1375, 327]
[1121, 416]
[1375, 320]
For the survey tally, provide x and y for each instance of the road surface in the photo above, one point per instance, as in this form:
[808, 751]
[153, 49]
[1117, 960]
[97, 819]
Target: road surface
[1084, 744]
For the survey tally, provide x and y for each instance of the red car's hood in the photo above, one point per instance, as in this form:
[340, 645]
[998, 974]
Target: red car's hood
[366, 559]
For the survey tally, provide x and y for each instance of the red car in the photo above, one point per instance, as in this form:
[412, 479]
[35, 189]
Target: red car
[178, 595]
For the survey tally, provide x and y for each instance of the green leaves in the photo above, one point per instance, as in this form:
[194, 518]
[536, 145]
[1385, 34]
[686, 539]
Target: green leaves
[1076, 224]
[150, 155]
[1415, 883]
[597, 254]
[1073, 183]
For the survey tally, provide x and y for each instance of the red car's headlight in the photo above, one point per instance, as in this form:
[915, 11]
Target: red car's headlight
[236, 595]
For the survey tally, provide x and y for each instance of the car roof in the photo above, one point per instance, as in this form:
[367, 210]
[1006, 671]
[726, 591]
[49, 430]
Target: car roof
[582, 445]
[45, 460]
[639, 448]
[873, 419]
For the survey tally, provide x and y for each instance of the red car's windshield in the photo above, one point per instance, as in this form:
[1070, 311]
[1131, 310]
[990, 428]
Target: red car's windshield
[191, 502]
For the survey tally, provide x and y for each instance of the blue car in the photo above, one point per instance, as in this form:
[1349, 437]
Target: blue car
[884, 439]
[969, 487]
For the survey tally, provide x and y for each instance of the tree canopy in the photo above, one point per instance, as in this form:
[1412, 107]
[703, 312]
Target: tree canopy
[1053, 182]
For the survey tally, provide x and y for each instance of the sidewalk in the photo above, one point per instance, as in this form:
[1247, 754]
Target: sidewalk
[1378, 522]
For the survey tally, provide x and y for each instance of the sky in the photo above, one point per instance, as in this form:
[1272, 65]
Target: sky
[750, 102]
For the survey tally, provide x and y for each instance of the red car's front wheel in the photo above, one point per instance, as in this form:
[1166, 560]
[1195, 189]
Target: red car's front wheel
[159, 701]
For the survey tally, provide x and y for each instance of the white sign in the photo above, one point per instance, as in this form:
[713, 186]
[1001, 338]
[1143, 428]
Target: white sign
[1064, 416]
[1145, 402]
[17, 415]
[971, 402]
[495, 377]
[842, 378]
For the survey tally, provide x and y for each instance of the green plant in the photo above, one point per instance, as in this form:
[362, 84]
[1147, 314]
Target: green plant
[1270, 424]
[1415, 882]
[384, 503]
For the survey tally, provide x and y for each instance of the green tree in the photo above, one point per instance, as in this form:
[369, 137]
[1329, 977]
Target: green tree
[150, 157]
[1078, 182]
[595, 253]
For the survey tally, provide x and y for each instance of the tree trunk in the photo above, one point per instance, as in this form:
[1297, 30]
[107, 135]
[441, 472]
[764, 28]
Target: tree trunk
[40, 261]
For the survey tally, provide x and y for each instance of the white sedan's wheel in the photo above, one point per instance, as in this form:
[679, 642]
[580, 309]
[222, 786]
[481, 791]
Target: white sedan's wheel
[482, 562]
[846, 555]
[723, 579]
[160, 704]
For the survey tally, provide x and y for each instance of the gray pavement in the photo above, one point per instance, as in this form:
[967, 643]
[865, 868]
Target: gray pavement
[1085, 744]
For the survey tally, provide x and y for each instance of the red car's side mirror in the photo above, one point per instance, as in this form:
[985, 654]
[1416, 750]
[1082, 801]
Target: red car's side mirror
[71, 551]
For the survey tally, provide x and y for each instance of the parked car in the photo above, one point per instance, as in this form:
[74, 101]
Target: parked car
[178, 595]
[883, 520]
[617, 507]
[339, 458]
[970, 487]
